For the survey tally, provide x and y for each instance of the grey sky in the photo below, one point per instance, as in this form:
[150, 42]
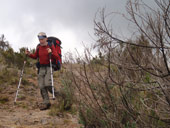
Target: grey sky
[69, 20]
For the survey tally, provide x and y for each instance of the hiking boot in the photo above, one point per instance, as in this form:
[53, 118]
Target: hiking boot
[57, 94]
[45, 106]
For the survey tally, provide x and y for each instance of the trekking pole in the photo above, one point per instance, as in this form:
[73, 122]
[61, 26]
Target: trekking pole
[52, 77]
[20, 80]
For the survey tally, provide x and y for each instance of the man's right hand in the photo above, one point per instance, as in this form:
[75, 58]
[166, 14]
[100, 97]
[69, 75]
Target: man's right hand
[27, 52]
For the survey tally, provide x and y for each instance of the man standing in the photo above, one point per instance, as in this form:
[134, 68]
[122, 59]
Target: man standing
[44, 75]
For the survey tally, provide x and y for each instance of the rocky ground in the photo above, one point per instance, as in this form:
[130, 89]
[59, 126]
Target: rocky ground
[26, 114]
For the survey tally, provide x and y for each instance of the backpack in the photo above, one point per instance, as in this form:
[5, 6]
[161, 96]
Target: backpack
[57, 44]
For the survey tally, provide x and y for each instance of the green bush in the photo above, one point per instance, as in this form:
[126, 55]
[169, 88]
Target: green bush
[67, 93]
[3, 99]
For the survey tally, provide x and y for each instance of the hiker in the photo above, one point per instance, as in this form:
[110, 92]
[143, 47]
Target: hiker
[44, 73]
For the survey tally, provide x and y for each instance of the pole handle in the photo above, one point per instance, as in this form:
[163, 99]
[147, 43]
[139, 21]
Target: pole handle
[26, 56]
[50, 54]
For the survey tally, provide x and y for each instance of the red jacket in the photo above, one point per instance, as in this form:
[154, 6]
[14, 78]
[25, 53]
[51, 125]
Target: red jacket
[43, 54]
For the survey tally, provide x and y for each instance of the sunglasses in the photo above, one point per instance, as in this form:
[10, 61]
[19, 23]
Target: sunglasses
[42, 37]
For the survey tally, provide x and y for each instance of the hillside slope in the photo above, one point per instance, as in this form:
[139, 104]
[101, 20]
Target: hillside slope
[25, 113]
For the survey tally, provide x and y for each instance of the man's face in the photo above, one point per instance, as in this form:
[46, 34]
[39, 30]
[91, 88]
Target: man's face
[42, 41]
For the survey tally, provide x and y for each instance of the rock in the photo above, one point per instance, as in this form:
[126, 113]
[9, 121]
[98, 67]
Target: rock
[58, 121]
[44, 121]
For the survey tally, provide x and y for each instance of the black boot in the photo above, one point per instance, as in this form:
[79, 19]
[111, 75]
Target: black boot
[44, 106]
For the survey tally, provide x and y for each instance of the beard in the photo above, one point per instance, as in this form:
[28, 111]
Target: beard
[44, 44]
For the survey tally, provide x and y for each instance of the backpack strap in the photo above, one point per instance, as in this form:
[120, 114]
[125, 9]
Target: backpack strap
[37, 48]
[50, 44]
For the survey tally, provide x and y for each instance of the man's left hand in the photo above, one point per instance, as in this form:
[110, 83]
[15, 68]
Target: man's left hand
[49, 50]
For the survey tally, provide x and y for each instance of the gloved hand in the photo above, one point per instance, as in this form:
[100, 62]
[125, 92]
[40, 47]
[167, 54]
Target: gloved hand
[27, 52]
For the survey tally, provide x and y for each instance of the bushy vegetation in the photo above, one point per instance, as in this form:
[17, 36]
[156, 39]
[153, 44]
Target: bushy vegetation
[127, 84]
[11, 63]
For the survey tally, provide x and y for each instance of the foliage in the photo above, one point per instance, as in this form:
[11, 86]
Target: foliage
[4, 99]
[128, 84]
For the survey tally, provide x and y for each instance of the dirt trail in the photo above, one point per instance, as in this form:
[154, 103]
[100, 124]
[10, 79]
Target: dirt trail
[20, 118]
[26, 114]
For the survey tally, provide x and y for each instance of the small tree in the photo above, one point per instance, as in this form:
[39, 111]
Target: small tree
[3, 44]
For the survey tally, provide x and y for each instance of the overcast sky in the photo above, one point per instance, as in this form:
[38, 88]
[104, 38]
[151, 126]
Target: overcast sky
[69, 20]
